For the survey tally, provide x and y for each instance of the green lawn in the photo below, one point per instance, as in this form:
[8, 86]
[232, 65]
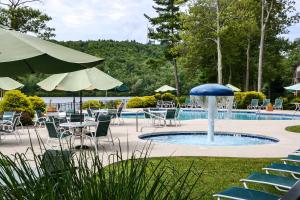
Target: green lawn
[295, 129]
[219, 173]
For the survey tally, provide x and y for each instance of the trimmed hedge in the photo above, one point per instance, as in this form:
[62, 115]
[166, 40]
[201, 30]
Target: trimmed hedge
[243, 99]
[93, 104]
[168, 97]
[141, 102]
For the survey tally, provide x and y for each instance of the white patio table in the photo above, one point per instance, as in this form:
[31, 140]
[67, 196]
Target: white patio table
[80, 126]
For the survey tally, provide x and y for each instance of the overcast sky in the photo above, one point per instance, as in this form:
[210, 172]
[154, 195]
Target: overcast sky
[107, 19]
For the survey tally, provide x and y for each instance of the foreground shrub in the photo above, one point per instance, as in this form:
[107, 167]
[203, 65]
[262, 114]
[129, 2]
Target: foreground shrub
[37, 103]
[243, 99]
[15, 100]
[61, 174]
[93, 104]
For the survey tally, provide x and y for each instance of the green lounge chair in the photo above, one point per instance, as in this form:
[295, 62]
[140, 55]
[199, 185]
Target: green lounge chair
[253, 104]
[279, 167]
[265, 103]
[172, 114]
[55, 134]
[281, 183]
[102, 131]
[237, 193]
[76, 117]
[278, 104]
[291, 158]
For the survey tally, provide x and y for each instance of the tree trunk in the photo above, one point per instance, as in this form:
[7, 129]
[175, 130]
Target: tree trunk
[264, 21]
[248, 65]
[176, 77]
[230, 75]
[220, 78]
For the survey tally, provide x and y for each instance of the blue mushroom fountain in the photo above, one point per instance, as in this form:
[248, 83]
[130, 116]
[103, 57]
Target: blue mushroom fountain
[208, 93]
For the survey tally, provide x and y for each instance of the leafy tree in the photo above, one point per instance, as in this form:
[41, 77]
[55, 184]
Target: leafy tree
[277, 15]
[17, 15]
[166, 27]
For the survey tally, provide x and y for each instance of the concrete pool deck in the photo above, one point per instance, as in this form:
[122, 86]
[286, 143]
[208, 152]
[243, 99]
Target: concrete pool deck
[128, 137]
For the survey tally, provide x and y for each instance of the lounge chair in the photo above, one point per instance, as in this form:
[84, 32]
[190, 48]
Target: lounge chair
[76, 117]
[253, 104]
[8, 115]
[237, 193]
[291, 158]
[278, 104]
[265, 103]
[172, 115]
[11, 126]
[116, 113]
[281, 183]
[39, 119]
[102, 131]
[57, 135]
[279, 167]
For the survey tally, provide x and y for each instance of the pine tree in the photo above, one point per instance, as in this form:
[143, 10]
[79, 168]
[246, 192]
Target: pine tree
[165, 29]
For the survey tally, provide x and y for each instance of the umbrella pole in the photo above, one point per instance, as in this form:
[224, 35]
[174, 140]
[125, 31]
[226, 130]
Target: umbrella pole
[74, 111]
[80, 102]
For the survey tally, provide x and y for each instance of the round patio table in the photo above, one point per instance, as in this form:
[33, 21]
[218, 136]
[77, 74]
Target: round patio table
[79, 125]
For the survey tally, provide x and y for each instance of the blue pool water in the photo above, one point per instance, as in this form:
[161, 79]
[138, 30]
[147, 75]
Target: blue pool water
[236, 115]
[200, 139]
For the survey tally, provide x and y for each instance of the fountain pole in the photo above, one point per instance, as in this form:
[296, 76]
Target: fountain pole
[211, 118]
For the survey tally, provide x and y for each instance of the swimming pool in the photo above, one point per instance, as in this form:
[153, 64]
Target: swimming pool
[199, 138]
[236, 115]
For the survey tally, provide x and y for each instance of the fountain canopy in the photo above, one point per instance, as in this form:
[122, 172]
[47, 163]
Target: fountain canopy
[211, 90]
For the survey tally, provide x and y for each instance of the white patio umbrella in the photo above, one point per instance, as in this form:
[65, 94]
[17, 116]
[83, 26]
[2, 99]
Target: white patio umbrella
[295, 87]
[235, 89]
[87, 79]
[165, 88]
[7, 83]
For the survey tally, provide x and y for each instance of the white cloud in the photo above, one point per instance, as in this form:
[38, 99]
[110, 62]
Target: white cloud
[98, 19]
[108, 19]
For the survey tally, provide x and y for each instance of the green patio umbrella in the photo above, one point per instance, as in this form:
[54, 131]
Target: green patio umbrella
[165, 88]
[235, 89]
[88, 79]
[21, 54]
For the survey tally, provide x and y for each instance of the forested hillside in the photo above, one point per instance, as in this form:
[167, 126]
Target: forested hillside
[142, 68]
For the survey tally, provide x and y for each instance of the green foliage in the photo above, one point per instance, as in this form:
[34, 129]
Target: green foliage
[157, 96]
[142, 102]
[15, 100]
[25, 19]
[168, 97]
[149, 101]
[243, 99]
[113, 104]
[37, 103]
[135, 102]
[93, 104]
[63, 174]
